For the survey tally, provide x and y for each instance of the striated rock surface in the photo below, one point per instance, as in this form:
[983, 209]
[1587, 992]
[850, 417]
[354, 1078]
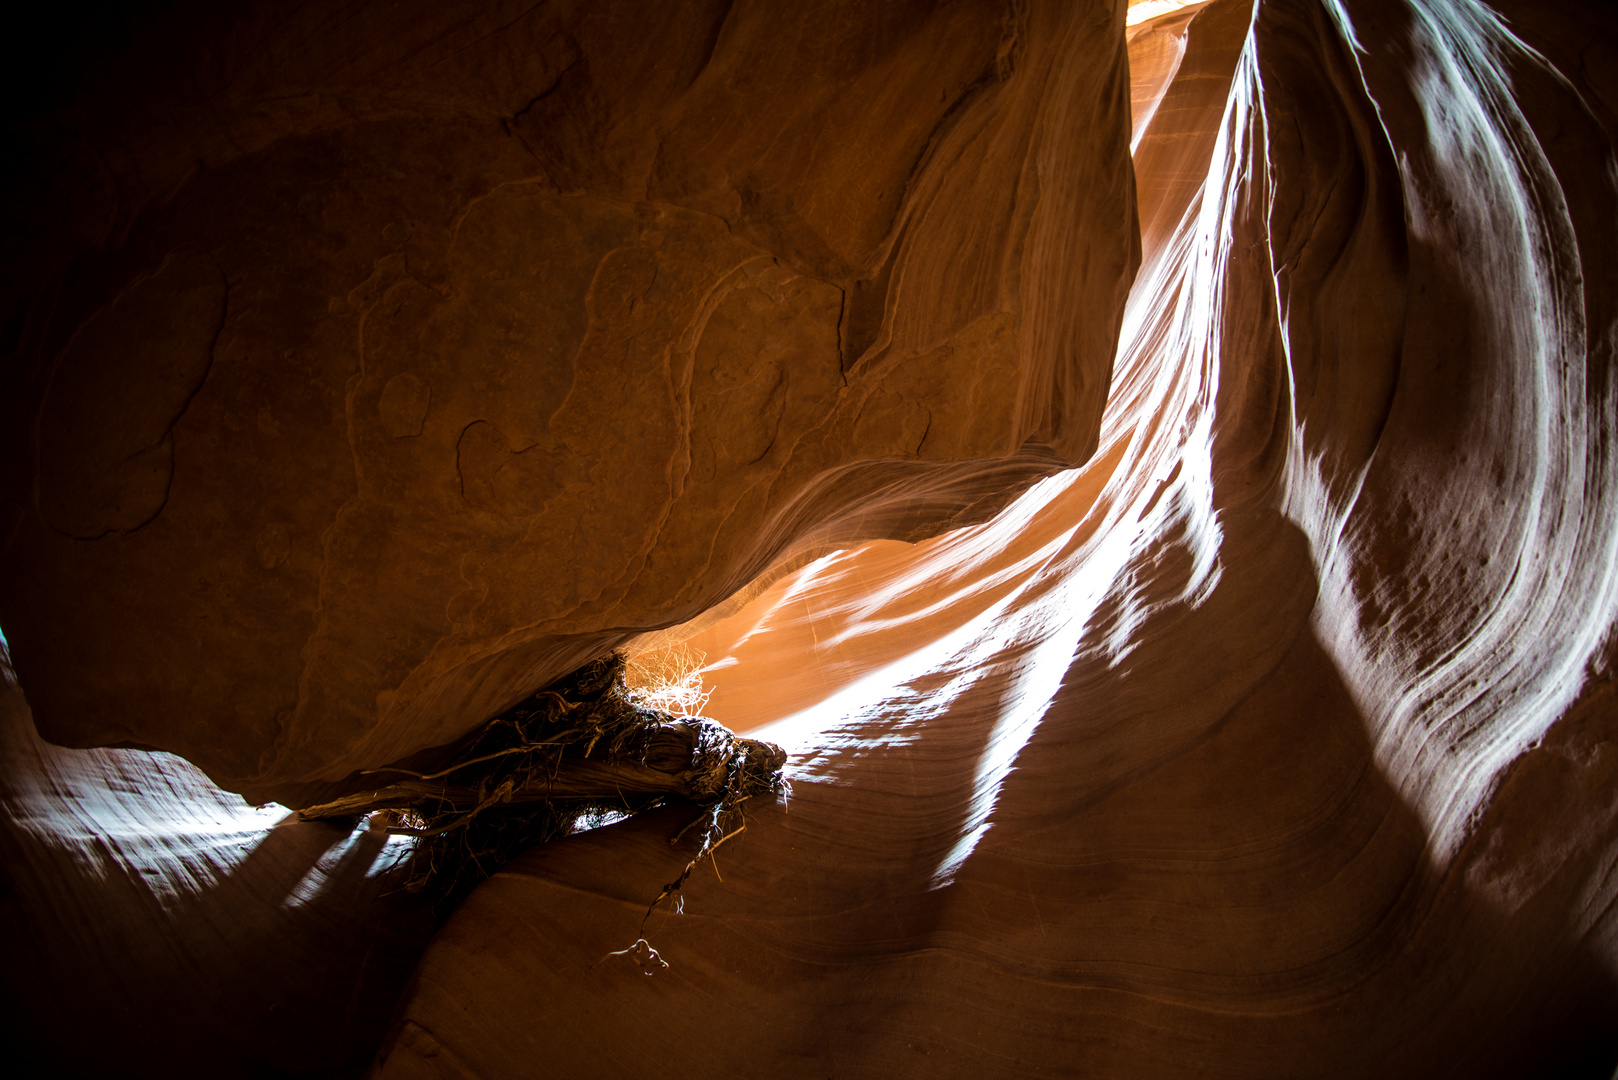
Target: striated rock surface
[1276, 741]
[373, 366]
[158, 927]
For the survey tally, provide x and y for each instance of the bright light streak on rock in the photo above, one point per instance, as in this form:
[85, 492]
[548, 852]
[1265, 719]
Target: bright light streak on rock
[1489, 224]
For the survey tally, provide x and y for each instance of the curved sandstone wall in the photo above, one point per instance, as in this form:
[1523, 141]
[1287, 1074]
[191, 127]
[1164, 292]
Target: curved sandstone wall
[1274, 740]
[1277, 740]
[389, 363]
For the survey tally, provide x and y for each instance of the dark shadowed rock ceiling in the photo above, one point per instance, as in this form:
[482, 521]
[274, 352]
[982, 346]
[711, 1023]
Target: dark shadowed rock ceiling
[1154, 468]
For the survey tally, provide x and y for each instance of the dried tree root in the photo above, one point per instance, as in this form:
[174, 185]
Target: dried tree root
[585, 744]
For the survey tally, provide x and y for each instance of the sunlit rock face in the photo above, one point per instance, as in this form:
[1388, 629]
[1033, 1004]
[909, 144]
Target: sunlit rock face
[157, 926]
[1276, 741]
[372, 368]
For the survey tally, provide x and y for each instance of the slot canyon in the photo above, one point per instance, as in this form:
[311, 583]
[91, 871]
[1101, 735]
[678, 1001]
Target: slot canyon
[1152, 467]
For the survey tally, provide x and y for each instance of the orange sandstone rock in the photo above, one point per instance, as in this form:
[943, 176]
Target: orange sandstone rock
[430, 352]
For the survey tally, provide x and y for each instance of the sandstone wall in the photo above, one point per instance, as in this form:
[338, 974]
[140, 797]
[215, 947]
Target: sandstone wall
[375, 365]
[1276, 741]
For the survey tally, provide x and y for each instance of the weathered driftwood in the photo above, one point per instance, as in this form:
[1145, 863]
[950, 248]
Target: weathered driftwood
[689, 758]
[587, 743]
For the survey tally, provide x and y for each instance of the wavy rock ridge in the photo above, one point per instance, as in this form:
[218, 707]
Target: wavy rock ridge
[1275, 740]
[469, 342]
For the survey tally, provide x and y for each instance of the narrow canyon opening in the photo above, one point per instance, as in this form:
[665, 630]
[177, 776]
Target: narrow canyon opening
[1150, 466]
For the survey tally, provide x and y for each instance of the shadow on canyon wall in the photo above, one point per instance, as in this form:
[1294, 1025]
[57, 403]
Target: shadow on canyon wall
[153, 929]
[1188, 860]
[1227, 889]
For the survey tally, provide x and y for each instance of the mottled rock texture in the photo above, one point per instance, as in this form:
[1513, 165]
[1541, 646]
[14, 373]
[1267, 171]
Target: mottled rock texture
[1279, 739]
[374, 364]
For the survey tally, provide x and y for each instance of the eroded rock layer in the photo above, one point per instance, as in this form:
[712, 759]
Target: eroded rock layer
[384, 364]
[1278, 740]
[156, 926]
